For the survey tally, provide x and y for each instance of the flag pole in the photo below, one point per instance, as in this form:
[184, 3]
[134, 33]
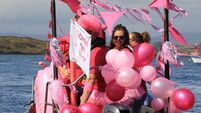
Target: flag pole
[54, 33]
[166, 35]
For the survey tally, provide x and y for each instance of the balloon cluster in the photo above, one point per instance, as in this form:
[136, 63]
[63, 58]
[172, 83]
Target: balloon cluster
[125, 70]
[124, 73]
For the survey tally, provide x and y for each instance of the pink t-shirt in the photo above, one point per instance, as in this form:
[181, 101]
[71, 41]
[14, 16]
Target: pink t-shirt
[98, 59]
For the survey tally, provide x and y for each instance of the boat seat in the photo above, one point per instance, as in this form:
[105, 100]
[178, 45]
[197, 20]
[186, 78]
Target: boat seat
[145, 109]
[116, 108]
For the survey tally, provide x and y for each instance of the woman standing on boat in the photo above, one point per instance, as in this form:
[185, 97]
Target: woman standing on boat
[135, 38]
[95, 85]
[146, 37]
[120, 40]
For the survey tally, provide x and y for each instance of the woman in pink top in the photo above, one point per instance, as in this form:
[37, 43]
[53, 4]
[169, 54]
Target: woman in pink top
[120, 41]
[95, 85]
[120, 38]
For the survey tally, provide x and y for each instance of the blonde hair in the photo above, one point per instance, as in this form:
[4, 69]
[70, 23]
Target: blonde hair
[146, 37]
[136, 36]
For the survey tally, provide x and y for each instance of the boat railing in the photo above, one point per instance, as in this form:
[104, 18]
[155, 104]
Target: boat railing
[71, 86]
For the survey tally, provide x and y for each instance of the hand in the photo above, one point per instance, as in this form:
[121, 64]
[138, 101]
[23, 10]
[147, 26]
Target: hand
[65, 72]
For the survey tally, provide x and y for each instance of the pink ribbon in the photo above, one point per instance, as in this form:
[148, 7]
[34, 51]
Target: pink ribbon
[177, 36]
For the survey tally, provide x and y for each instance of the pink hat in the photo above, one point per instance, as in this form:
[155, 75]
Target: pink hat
[101, 34]
[91, 23]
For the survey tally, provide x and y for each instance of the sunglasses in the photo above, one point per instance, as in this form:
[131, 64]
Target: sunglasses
[118, 37]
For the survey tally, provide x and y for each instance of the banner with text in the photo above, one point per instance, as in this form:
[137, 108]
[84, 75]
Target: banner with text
[80, 46]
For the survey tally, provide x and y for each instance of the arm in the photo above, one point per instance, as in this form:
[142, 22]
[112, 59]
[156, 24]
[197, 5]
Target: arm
[88, 88]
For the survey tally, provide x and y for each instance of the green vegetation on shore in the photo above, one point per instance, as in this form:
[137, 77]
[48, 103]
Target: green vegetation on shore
[28, 45]
[21, 45]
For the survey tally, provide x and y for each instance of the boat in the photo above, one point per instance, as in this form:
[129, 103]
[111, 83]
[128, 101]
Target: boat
[50, 94]
[196, 59]
[195, 54]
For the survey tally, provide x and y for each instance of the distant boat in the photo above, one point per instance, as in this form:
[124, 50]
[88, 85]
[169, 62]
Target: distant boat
[196, 59]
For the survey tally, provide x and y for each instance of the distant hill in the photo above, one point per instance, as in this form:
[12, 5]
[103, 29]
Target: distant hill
[28, 45]
[21, 45]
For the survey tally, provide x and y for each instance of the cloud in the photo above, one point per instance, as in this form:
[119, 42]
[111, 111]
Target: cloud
[32, 16]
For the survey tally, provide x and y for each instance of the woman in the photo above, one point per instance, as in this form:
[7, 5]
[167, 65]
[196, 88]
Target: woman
[95, 85]
[146, 37]
[135, 38]
[120, 41]
[120, 38]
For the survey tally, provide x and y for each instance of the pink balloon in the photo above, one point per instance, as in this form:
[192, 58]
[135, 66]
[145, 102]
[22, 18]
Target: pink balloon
[109, 72]
[110, 56]
[89, 108]
[59, 94]
[69, 109]
[124, 59]
[126, 77]
[183, 99]
[144, 54]
[137, 82]
[162, 87]
[148, 73]
[114, 91]
[157, 104]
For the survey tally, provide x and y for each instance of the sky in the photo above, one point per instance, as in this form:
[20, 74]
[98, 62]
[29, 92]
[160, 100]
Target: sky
[30, 17]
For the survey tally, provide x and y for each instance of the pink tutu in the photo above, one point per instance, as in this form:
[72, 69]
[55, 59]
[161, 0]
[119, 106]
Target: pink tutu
[97, 97]
[131, 95]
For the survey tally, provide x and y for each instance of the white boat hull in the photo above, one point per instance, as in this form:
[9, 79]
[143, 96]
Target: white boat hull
[196, 59]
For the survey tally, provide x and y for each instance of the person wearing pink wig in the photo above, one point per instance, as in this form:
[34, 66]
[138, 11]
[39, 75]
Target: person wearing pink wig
[95, 85]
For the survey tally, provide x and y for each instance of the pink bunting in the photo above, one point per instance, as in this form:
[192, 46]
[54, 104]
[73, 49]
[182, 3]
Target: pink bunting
[168, 5]
[176, 35]
[177, 9]
[110, 18]
[160, 3]
[135, 14]
[145, 15]
[108, 6]
[73, 4]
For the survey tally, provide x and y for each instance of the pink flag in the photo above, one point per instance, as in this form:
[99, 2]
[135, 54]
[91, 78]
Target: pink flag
[73, 4]
[160, 3]
[110, 18]
[176, 35]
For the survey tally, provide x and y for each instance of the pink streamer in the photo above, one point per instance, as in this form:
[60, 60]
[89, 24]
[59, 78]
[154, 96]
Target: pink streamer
[146, 16]
[177, 36]
[133, 13]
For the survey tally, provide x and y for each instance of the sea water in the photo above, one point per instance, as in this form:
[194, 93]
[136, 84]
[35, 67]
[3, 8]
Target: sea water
[17, 72]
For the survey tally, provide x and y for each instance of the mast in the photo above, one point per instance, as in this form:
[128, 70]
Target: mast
[166, 35]
[54, 33]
